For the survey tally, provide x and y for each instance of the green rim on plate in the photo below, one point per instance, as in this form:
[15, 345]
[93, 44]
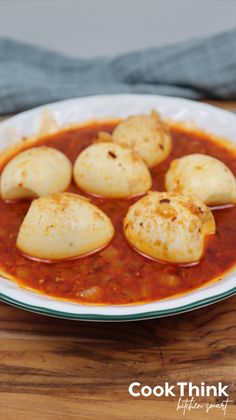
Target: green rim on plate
[78, 111]
[133, 317]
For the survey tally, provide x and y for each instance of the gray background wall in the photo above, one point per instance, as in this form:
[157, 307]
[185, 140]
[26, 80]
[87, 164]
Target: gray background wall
[98, 27]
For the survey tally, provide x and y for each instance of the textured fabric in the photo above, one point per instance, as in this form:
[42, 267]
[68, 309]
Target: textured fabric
[198, 68]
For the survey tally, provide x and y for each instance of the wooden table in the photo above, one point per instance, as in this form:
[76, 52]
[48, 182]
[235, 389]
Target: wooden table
[57, 369]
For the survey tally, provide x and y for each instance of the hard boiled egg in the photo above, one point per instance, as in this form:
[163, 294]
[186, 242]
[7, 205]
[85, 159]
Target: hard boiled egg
[147, 135]
[35, 172]
[111, 170]
[209, 178]
[169, 227]
[63, 226]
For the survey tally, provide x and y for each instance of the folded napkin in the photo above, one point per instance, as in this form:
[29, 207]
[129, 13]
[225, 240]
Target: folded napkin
[198, 68]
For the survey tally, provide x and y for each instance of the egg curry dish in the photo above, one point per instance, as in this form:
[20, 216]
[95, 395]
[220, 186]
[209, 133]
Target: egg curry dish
[118, 212]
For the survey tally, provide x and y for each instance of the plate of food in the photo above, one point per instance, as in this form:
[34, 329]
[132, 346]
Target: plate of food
[117, 208]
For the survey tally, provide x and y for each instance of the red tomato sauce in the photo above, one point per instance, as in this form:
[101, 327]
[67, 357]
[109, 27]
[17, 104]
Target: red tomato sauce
[118, 274]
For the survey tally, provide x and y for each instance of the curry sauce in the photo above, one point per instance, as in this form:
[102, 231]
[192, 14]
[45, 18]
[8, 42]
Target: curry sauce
[118, 274]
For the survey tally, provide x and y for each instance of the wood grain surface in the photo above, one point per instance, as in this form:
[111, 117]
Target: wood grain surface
[58, 369]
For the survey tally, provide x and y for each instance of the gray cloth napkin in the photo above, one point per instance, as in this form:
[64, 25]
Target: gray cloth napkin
[198, 68]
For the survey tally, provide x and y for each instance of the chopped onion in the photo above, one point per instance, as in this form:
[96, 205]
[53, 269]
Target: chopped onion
[92, 293]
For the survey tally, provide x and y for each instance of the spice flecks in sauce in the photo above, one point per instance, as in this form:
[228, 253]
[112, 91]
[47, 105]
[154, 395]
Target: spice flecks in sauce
[118, 274]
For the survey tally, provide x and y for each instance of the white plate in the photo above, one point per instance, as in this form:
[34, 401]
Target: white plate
[208, 118]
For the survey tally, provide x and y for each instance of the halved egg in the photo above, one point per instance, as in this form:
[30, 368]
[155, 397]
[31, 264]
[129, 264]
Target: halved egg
[169, 227]
[208, 178]
[63, 226]
[147, 135]
[111, 170]
[35, 172]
